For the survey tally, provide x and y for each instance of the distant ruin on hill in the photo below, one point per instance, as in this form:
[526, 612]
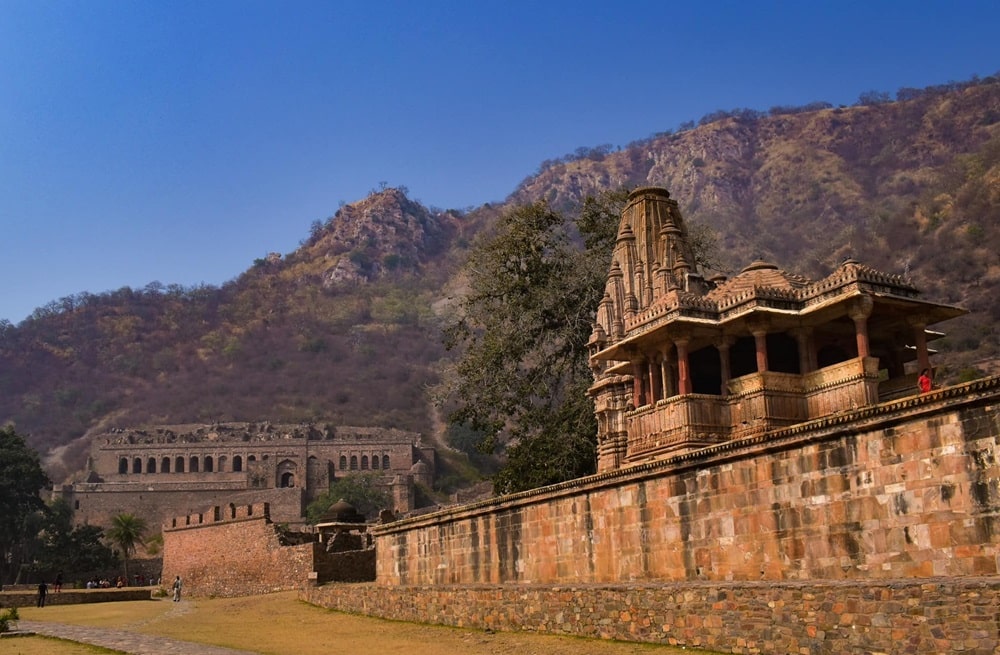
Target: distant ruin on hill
[163, 471]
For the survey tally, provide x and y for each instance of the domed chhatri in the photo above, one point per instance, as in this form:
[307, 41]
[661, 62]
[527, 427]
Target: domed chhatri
[342, 512]
[682, 361]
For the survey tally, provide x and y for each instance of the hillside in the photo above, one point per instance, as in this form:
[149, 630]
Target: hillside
[910, 187]
[346, 328]
[337, 330]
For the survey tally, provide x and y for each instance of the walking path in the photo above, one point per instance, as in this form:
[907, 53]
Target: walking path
[132, 643]
[125, 641]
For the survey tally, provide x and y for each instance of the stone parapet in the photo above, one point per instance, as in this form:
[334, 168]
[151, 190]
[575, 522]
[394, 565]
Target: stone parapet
[73, 596]
[891, 617]
[220, 514]
[875, 530]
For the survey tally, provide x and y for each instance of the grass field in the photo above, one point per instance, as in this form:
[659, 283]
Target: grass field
[279, 624]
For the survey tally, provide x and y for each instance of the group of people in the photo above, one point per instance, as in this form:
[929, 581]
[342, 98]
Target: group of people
[139, 580]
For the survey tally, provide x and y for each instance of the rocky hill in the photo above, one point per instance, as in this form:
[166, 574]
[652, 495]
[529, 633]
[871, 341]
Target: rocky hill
[346, 328]
[342, 330]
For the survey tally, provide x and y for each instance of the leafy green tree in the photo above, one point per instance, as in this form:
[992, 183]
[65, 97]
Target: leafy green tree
[364, 491]
[68, 548]
[522, 330]
[127, 531]
[21, 481]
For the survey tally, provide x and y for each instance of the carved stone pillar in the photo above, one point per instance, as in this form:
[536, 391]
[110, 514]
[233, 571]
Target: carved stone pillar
[722, 345]
[667, 373]
[655, 383]
[807, 350]
[758, 326]
[859, 312]
[637, 391]
[683, 366]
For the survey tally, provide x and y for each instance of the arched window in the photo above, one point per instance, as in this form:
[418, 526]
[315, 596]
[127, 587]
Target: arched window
[222, 463]
[151, 465]
[123, 465]
[165, 465]
[194, 465]
[179, 465]
[251, 459]
[343, 462]
[209, 464]
[354, 462]
[364, 462]
[237, 464]
[374, 461]
[288, 480]
[385, 461]
[137, 465]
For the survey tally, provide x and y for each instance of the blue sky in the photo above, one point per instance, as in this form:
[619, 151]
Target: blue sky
[177, 141]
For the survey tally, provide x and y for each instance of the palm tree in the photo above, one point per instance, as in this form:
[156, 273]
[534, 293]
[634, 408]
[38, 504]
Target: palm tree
[126, 531]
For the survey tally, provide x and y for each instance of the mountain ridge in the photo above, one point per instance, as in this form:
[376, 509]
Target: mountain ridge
[347, 327]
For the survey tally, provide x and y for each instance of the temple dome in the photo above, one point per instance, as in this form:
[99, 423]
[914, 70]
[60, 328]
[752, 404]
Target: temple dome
[758, 274]
[342, 512]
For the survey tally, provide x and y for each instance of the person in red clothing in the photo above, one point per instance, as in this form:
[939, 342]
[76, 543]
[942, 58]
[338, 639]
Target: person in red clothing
[924, 381]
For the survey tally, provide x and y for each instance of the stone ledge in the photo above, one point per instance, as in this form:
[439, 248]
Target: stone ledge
[75, 596]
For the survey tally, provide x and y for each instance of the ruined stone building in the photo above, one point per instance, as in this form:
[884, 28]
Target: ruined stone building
[771, 481]
[682, 362]
[168, 471]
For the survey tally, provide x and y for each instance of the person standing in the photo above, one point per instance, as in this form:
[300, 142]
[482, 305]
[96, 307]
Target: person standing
[924, 381]
[58, 584]
[43, 589]
[177, 589]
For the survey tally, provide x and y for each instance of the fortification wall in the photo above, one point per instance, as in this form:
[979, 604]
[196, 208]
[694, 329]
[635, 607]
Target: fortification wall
[932, 616]
[95, 503]
[234, 551]
[886, 497]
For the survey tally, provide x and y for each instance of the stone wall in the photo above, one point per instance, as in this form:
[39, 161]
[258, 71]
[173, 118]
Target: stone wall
[29, 598]
[880, 504]
[94, 503]
[902, 490]
[930, 616]
[234, 551]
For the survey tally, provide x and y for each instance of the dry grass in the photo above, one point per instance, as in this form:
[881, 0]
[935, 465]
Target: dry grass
[46, 646]
[278, 624]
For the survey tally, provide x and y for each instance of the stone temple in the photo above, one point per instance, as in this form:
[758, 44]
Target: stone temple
[682, 362]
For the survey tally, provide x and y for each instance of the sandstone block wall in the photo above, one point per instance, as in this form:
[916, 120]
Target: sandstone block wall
[236, 552]
[905, 490]
[928, 616]
[29, 598]
[885, 517]
[95, 503]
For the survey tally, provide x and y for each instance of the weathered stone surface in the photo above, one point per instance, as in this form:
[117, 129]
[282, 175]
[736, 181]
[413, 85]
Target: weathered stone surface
[858, 616]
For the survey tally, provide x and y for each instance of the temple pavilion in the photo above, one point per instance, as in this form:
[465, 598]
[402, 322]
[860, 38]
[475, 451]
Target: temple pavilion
[682, 361]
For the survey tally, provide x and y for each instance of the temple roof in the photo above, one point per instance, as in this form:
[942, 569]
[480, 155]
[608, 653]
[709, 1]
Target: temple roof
[761, 288]
[758, 274]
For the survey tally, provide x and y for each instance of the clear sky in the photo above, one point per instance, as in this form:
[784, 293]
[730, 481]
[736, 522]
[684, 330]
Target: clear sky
[176, 141]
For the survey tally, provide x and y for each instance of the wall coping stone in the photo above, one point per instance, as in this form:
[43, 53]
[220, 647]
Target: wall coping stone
[818, 430]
